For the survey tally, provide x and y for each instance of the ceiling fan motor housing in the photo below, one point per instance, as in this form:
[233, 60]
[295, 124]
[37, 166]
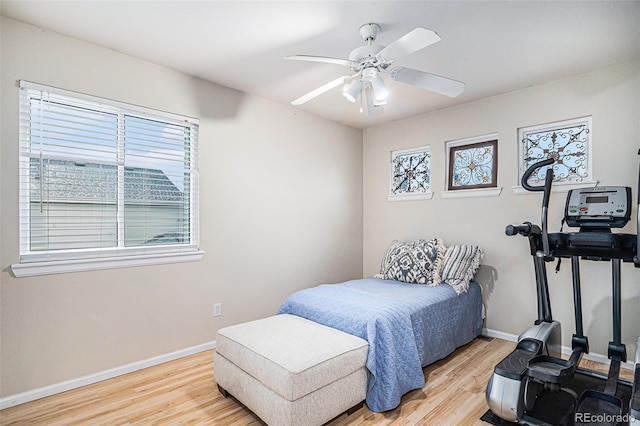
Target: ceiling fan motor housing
[365, 56]
[369, 32]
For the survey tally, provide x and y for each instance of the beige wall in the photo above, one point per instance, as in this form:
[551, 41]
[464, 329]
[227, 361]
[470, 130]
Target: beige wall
[280, 209]
[287, 201]
[611, 97]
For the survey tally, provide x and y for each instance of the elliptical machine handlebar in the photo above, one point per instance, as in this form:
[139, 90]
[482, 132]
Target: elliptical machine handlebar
[527, 229]
[547, 185]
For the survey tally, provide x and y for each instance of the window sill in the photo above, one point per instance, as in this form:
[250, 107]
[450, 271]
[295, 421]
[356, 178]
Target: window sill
[558, 187]
[65, 266]
[411, 197]
[470, 193]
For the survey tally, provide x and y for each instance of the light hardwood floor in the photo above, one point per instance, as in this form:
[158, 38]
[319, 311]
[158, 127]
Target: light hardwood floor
[184, 392]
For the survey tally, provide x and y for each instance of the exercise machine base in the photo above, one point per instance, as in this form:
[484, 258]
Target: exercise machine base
[558, 408]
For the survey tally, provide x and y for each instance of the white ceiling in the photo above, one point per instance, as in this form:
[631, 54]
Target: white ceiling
[492, 46]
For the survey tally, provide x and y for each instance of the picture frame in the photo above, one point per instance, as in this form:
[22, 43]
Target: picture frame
[472, 164]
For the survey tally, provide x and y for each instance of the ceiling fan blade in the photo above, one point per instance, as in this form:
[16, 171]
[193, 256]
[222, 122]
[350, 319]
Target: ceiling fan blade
[337, 61]
[411, 42]
[320, 90]
[435, 83]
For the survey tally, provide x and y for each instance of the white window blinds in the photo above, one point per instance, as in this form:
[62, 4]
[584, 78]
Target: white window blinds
[101, 178]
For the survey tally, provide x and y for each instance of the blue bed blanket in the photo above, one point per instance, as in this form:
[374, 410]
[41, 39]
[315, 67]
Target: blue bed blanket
[407, 326]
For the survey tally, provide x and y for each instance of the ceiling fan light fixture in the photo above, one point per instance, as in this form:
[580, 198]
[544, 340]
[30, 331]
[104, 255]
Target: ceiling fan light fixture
[352, 90]
[369, 74]
[380, 103]
[380, 91]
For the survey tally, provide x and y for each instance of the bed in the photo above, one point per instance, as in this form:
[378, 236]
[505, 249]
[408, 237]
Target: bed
[407, 325]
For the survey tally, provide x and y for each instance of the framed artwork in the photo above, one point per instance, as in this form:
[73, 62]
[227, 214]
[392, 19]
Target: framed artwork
[410, 171]
[473, 163]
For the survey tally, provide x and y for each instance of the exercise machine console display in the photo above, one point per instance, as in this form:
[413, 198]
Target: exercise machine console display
[602, 207]
[534, 384]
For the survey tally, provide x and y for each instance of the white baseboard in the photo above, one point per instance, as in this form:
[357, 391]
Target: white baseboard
[565, 349]
[500, 335]
[56, 388]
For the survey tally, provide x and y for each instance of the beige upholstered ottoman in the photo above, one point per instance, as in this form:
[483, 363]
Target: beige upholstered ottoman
[291, 371]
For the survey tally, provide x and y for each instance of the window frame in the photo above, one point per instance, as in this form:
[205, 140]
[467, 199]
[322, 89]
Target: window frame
[72, 260]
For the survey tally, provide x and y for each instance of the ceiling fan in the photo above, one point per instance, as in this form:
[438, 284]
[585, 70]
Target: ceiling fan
[369, 62]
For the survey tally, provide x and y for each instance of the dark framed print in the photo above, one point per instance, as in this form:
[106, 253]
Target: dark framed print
[472, 165]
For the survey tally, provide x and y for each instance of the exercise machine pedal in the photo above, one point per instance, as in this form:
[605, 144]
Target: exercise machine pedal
[595, 404]
[605, 405]
[550, 369]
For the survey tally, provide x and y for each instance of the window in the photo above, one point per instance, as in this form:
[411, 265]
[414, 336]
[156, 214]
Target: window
[103, 182]
[568, 142]
[411, 174]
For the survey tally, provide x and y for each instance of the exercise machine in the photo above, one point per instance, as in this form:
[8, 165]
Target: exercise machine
[533, 384]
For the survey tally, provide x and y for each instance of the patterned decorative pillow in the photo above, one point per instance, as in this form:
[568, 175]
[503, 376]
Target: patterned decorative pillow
[460, 265]
[413, 262]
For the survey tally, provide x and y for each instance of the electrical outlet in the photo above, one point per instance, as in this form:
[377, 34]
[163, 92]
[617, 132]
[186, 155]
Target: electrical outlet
[217, 309]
